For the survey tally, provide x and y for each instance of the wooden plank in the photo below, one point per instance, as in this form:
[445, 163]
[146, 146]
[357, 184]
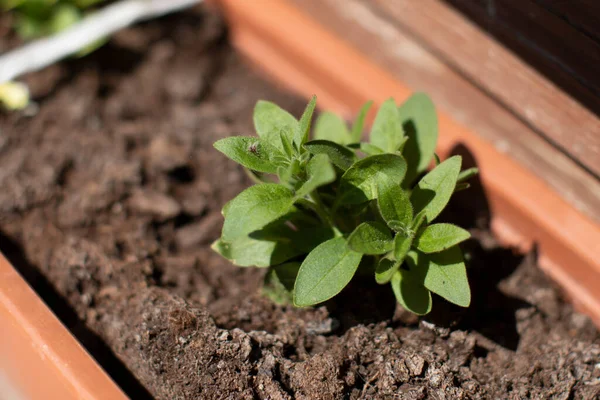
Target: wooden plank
[583, 15]
[547, 109]
[381, 39]
[555, 48]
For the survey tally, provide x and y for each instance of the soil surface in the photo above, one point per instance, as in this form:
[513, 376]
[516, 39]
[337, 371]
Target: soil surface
[110, 196]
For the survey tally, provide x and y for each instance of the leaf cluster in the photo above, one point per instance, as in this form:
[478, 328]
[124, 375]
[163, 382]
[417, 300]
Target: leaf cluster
[333, 208]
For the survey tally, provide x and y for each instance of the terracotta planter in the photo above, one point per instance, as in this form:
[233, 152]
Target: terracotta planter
[39, 356]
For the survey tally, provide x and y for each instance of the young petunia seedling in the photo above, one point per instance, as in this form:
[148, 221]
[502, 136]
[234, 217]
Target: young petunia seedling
[324, 208]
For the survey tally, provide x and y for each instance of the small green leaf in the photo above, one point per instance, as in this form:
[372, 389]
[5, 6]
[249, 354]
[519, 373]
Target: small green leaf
[410, 292]
[445, 274]
[325, 272]
[249, 252]
[332, 128]
[438, 237]
[286, 142]
[387, 132]
[252, 153]
[418, 222]
[395, 207]
[303, 130]
[271, 121]
[340, 156]
[467, 174]
[461, 186]
[308, 238]
[359, 123]
[371, 238]
[433, 192]
[254, 208]
[362, 181]
[320, 172]
[420, 123]
[385, 270]
[279, 282]
[370, 149]
[401, 247]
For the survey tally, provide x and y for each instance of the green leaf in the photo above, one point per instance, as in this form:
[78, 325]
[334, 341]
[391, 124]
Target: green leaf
[467, 174]
[418, 222]
[307, 238]
[325, 272]
[279, 282]
[401, 247]
[359, 123]
[370, 149]
[410, 292]
[420, 123]
[340, 156]
[385, 270]
[331, 127]
[286, 143]
[303, 129]
[433, 192]
[246, 251]
[320, 172]
[271, 121]
[438, 237]
[395, 207]
[445, 274]
[362, 181]
[254, 208]
[387, 132]
[63, 17]
[461, 186]
[371, 238]
[252, 153]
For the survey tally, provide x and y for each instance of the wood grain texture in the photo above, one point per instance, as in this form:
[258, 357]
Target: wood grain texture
[558, 50]
[378, 35]
[489, 65]
[583, 15]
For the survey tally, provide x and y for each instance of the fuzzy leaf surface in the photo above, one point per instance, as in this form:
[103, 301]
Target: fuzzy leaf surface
[331, 127]
[359, 123]
[362, 181]
[419, 119]
[433, 192]
[303, 129]
[387, 132]
[246, 251]
[254, 208]
[371, 238]
[395, 207]
[340, 156]
[445, 274]
[252, 153]
[410, 292]
[385, 270]
[439, 237]
[325, 272]
[320, 172]
[271, 121]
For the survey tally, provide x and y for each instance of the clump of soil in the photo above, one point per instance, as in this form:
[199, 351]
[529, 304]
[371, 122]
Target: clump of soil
[110, 198]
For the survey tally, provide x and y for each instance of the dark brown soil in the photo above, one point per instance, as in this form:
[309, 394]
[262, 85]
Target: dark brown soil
[110, 196]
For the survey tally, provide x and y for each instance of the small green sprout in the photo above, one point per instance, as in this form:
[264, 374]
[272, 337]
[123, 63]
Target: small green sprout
[326, 208]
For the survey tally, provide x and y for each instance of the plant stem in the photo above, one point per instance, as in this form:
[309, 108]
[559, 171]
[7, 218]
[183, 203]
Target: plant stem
[323, 214]
[44, 52]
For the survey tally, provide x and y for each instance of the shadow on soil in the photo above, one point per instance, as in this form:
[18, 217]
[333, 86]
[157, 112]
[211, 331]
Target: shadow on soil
[59, 306]
[492, 313]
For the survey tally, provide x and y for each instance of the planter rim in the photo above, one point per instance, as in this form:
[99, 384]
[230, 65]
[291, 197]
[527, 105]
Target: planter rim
[39, 355]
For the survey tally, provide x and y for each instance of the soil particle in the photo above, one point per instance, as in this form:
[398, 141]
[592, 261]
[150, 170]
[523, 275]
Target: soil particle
[112, 193]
